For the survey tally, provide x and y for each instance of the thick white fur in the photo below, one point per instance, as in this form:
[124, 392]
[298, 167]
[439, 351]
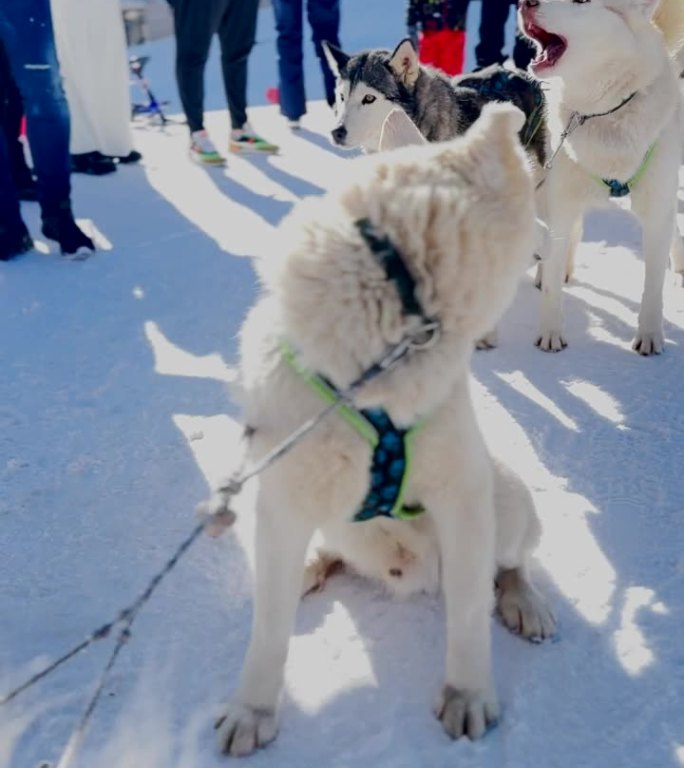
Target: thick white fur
[614, 49]
[462, 214]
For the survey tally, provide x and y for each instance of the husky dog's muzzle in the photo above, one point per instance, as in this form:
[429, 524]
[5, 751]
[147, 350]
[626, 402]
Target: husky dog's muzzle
[339, 135]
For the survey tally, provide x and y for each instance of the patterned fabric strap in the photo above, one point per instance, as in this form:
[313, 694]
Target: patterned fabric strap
[391, 446]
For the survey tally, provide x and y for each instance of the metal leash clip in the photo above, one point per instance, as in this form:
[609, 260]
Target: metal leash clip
[426, 336]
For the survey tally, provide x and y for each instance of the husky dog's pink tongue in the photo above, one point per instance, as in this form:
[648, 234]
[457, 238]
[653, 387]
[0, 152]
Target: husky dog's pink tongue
[551, 46]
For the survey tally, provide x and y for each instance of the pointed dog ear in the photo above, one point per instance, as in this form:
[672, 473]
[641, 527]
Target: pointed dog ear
[336, 58]
[399, 130]
[404, 62]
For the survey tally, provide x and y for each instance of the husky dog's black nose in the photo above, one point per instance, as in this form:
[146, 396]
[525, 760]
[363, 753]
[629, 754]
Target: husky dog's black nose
[339, 134]
[528, 3]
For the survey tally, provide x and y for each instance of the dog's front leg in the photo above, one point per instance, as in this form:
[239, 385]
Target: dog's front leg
[464, 517]
[563, 217]
[250, 721]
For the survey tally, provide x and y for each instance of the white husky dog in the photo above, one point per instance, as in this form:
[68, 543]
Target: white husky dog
[614, 94]
[363, 268]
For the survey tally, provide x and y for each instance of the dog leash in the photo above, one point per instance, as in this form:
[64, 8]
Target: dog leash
[576, 120]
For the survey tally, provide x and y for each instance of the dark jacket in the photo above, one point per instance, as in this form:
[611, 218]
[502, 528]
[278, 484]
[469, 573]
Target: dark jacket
[436, 14]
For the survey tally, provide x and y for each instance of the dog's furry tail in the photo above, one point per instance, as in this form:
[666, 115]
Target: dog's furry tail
[669, 18]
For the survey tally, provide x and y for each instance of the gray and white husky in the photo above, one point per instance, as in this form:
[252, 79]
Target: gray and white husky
[372, 83]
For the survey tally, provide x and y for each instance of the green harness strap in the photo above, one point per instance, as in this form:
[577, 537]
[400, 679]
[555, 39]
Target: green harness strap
[328, 396]
[623, 188]
[362, 422]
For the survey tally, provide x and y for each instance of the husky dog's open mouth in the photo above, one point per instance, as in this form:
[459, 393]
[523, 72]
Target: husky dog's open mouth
[552, 46]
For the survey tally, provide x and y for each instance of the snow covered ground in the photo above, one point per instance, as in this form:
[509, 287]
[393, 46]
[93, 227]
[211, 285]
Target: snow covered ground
[114, 418]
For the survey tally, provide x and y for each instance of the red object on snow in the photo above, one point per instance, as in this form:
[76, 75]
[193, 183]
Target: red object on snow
[22, 127]
[444, 49]
[273, 95]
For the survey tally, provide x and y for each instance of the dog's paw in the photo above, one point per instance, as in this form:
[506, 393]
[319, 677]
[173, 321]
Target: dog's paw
[241, 730]
[551, 341]
[488, 341]
[649, 343]
[524, 612]
[466, 713]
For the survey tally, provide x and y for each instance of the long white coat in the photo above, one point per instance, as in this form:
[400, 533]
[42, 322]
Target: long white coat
[91, 47]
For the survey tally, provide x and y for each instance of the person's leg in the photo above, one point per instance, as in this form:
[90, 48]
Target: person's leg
[11, 113]
[428, 50]
[13, 232]
[29, 40]
[492, 25]
[289, 23]
[324, 19]
[195, 23]
[14, 237]
[447, 51]
[237, 32]
[30, 47]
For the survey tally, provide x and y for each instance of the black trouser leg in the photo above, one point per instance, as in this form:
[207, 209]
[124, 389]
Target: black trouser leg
[324, 20]
[237, 32]
[11, 112]
[195, 23]
[489, 50]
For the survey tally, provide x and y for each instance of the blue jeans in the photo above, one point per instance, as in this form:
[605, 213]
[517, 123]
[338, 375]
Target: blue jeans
[28, 39]
[324, 20]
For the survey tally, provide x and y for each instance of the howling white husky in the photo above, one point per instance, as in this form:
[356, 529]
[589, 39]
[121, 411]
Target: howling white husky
[433, 236]
[615, 112]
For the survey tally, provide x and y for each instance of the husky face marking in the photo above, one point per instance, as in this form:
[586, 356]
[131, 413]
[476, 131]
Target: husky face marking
[361, 112]
[369, 86]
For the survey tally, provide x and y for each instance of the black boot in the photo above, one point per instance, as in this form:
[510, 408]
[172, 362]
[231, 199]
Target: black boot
[14, 241]
[93, 163]
[60, 226]
[132, 157]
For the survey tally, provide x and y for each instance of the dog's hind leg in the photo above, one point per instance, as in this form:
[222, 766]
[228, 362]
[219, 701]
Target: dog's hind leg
[654, 201]
[518, 603]
[677, 255]
[250, 721]
[657, 227]
[521, 608]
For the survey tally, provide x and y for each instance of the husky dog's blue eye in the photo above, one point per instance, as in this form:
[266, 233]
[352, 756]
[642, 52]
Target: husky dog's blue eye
[368, 99]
